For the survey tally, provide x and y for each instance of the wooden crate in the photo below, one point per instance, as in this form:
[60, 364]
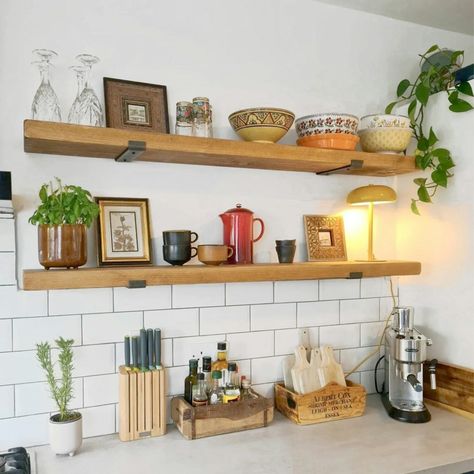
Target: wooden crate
[332, 402]
[211, 420]
[142, 404]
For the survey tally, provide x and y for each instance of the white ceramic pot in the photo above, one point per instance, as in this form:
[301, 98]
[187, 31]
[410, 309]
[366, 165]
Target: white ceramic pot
[65, 437]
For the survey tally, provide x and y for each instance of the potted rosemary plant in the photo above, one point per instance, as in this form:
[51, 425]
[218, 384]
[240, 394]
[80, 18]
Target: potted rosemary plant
[434, 76]
[65, 427]
[62, 217]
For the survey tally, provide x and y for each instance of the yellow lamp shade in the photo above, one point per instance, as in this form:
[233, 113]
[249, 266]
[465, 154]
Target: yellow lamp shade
[373, 193]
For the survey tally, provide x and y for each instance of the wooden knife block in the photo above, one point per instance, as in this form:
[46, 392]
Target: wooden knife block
[142, 404]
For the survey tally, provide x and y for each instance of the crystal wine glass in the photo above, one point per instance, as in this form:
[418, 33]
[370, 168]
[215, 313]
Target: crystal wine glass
[89, 107]
[81, 72]
[45, 103]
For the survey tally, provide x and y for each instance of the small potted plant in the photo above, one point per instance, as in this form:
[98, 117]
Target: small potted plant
[63, 216]
[65, 427]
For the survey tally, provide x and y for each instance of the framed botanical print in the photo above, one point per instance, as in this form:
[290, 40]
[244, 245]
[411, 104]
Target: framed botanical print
[325, 238]
[136, 105]
[123, 231]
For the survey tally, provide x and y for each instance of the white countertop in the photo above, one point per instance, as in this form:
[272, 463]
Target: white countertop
[373, 443]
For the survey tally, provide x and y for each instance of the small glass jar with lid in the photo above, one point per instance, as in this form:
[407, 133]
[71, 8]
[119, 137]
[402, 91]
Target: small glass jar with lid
[202, 118]
[184, 118]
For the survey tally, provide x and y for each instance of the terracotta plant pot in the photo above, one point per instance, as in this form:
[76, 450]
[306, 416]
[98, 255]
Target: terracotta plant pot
[62, 245]
[65, 437]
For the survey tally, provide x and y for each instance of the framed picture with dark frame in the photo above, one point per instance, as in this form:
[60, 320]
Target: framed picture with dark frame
[123, 231]
[136, 105]
[325, 238]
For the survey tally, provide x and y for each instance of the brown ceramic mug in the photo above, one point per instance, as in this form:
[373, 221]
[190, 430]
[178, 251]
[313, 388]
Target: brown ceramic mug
[214, 254]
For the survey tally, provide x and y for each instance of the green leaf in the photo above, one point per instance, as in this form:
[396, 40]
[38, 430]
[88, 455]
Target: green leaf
[444, 158]
[455, 55]
[430, 50]
[441, 153]
[412, 110]
[460, 106]
[414, 207]
[423, 144]
[420, 181]
[432, 138]
[422, 93]
[389, 108]
[402, 87]
[423, 194]
[453, 97]
[465, 88]
[425, 161]
[439, 177]
[43, 194]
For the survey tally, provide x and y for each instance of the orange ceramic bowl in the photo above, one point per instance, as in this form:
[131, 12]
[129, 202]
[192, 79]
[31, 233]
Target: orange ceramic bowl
[335, 141]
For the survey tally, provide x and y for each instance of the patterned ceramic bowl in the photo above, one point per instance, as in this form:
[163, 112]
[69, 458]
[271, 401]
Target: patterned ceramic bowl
[384, 120]
[385, 139]
[334, 141]
[326, 123]
[265, 125]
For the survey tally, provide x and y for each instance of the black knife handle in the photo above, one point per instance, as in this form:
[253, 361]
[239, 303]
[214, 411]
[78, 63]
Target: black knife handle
[143, 349]
[151, 348]
[126, 350]
[157, 347]
[135, 352]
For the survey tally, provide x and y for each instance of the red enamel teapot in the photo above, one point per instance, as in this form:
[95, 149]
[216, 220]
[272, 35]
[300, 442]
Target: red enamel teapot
[238, 233]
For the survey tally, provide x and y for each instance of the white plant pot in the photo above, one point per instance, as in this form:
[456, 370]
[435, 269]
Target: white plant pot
[65, 437]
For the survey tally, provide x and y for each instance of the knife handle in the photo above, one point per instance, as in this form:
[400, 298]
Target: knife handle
[134, 352]
[143, 350]
[158, 348]
[126, 350]
[151, 351]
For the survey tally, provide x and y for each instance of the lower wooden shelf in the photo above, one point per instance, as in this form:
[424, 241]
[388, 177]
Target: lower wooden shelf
[106, 277]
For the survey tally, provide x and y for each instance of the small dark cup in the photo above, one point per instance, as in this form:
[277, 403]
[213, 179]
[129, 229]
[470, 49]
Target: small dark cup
[179, 237]
[178, 254]
[286, 253]
[284, 243]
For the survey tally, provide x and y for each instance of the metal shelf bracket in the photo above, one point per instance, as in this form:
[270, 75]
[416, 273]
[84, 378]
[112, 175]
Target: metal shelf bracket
[136, 284]
[355, 276]
[134, 150]
[354, 165]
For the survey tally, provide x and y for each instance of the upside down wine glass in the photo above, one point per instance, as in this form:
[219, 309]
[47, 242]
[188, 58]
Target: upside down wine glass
[89, 107]
[80, 71]
[45, 104]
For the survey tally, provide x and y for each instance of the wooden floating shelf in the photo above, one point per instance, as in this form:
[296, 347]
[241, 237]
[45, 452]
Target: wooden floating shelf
[120, 276]
[79, 140]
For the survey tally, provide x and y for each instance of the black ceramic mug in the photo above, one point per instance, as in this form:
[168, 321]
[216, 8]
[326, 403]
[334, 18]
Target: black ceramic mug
[286, 253]
[280, 243]
[179, 237]
[178, 254]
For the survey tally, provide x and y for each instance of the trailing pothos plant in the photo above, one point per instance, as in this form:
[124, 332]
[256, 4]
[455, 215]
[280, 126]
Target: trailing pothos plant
[64, 204]
[428, 154]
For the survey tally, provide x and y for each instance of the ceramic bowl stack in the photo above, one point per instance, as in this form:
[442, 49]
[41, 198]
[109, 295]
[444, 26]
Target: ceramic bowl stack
[264, 124]
[384, 133]
[328, 130]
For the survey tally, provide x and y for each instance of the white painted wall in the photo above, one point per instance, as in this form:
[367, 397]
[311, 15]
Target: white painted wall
[443, 240]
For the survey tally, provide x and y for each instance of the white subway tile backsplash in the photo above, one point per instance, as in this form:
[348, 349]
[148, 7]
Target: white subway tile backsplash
[370, 333]
[249, 293]
[320, 313]
[98, 421]
[290, 291]
[355, 377]
[244, 368]
[185, 348]
[355, 311]
[265, 389]
[286, 340]
[5, 335]
[149, 298]
[175, 382]
[367, 379]
[339, 337]
[267, 370]
[339, 289]
[110, 327]
[16, 303]
[34, 398]
[89, 300]
[101, 390]
[224, 319]
[27, 332]
[247, 345]
[376, 287]
[174, 322]
[7, 235]
[273, 316]
[7, 401]
[19, 367]
[23, 431]
[351, 357]
[187, 296]
[386, 307]
[7, 268]
[91, 360]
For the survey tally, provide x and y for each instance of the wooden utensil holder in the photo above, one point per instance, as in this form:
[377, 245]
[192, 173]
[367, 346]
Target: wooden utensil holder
[332, 402]
[142, 404]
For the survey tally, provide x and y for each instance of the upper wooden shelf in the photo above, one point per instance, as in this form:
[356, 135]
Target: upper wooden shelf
[106, 277]
[78, 140]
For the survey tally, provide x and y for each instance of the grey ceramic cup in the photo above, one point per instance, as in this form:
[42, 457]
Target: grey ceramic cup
[178, 254]
[179, 237]
[286, 253]
[285, 242]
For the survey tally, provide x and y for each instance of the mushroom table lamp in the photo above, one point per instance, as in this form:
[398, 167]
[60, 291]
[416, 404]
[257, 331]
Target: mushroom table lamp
[371, 194]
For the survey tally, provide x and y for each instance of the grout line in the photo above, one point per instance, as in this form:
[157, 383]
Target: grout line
[47, 304]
